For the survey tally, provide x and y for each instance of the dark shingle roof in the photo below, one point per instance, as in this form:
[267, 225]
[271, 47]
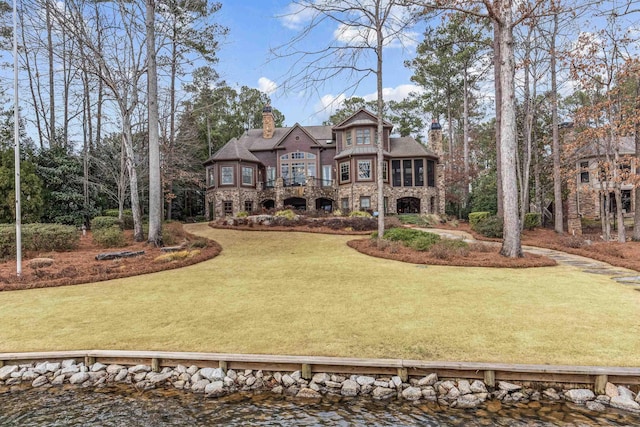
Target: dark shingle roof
[407, 146]
[599, 147]
[234, 150]
[358, 150]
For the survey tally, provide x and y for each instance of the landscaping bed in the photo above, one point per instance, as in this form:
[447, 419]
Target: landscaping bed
[50, 269]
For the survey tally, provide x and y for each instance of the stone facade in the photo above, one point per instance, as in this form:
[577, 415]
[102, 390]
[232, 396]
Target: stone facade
[324, 167]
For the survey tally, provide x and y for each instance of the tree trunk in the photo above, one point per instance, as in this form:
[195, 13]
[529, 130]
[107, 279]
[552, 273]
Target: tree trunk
[558, 220]
[511, 245]
[636, 213]
[465, 142]
[380, 136]
[155, 188]
[127, 139]
[52, 94]
[497, 66]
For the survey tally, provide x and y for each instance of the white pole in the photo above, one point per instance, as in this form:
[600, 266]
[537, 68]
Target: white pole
[16, 139]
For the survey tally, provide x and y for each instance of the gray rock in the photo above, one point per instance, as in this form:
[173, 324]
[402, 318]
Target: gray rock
[251, 381]
[625, 392]
[321, 378]
[228, 382]
[508, 387]
[259, 374]
[364, 380]
[478, 387]
[308, 393]
[277, 389]
[383, 393]
[453, 394]
[58, 380]
[232, 374]
[296, 375]
[412, 393]
[467, 401]
[517, 396]
[30, 375]
[12, 381]
[366, 389]
[158, 378]
[114, 369]
[595, 406]
[278, 377]
[192, 369]
[181, 369]
[386, 384]
[625, 403]
[397, 381]
[70, 370]
[139, 377]
[199, 386]
[139, 368]
[337, 378]
[333, 384]
[179, 384]
[79, 378]
[41, 368]
[53, 366]
[579, 395]
[68, 363]
[551, 393]
[212, 374]
[292, 391]
[430, 379]
[214, 389]
[429, 393]
[288, 381]
[40, 381]
[315, 387]
[6, 371]
[122, 374]
[349, 388]
[464, 387]
[98, 367]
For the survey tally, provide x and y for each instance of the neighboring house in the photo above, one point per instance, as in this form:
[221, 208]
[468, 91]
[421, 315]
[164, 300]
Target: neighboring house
[594, 179]
[324, 168]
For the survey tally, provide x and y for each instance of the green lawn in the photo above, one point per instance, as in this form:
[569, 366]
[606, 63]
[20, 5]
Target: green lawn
[309, 294]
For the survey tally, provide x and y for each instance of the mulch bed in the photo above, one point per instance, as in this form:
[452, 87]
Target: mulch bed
[490, 257]
[80, 266]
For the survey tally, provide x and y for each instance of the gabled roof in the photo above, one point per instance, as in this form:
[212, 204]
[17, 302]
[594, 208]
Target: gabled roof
[372, 120]
[253, 139]
[291, 129]
[234, 150]
[599, 147]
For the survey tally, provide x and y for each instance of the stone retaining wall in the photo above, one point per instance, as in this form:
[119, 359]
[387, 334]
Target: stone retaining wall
[216, 382]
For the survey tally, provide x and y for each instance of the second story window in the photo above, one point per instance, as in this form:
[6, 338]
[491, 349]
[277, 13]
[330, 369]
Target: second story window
[584, 172]
[226, 175]
[347, 138]
[247, 176]
[363, 136]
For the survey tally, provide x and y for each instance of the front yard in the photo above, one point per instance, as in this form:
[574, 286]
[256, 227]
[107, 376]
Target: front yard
[299, 293]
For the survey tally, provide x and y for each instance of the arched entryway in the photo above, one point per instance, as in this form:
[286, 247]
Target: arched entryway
[269, 204]
[408, 205]
[323, 204]
[297, 203]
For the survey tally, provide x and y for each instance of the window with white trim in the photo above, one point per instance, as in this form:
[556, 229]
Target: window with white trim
[364, 170]
[226, 175]
[345, 172]
[247, 175]
[365, 203]
[347, 137]
[363, 136]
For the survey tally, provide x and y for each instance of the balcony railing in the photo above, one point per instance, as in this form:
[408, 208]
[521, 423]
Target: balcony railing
[299, 182]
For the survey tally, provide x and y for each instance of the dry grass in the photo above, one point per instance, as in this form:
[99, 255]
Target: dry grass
[306, 294]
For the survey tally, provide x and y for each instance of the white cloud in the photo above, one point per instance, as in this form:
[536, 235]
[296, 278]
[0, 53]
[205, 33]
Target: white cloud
[267, 86]
[296, 16]
[397, 93]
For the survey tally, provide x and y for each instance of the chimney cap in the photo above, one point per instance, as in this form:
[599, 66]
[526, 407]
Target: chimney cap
[435, 125]
[266, 109]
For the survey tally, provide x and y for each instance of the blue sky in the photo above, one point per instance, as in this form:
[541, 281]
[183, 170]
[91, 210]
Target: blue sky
[257, 26]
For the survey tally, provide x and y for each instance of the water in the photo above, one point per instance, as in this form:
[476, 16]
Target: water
[118, 406]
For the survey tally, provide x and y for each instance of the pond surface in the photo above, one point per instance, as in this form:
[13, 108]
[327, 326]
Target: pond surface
[123, 407]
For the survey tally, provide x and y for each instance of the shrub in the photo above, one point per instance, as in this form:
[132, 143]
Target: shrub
[200, 218]
[287, 214]
[100, 222]
[116, 212]
[480, 247]
[337, 212]
[392, 221]
[111, 237]
[425, 220]
[127, 221]
[474, 217]
[532, 220]
[424, 242]
[172, 233]
[242, 214]
[449, 248]
[573, 242]
[360, 214]
[38, 237]
[200, 243]
[489, 227]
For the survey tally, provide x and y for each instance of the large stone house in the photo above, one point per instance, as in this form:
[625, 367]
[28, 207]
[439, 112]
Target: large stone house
[324, 168]
[593, 180]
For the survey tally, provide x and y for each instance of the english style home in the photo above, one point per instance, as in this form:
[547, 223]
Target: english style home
[325, 168]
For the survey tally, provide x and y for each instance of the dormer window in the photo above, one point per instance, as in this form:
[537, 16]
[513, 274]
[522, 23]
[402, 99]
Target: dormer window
[363, 136]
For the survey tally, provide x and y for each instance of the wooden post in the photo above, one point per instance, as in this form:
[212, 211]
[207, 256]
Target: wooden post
[89, 360]
[306, 371]
[1, 363]
[490, 378]
[223, 365]
[403, 374]
[155, 364]
[600, 384]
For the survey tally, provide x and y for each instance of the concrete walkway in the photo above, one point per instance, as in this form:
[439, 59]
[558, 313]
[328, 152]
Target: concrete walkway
[588, 265]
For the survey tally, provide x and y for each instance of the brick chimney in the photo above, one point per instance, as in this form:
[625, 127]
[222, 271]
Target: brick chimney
[268, 124]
